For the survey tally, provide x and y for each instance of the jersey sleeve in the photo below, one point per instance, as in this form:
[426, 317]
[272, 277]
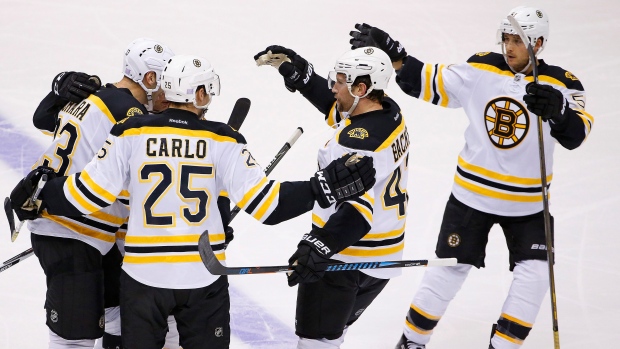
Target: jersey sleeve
[95, 187]
[46, 114]
[435, 83]
[268, 201]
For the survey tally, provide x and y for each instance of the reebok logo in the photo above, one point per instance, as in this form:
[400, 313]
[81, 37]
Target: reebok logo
[538, 247]
[320, 246]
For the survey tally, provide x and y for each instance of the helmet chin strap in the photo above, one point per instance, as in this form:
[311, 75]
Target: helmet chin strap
[149, 94]
[204, 108]
[356, 100]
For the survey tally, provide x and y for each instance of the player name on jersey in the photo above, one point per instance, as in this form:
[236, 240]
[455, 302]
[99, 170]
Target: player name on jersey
[77, 109]
[176, 148]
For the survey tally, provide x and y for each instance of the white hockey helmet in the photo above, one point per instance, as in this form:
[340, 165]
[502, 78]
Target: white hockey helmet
[533, 21]
[184, 74]
[144, 55]
[364, 61]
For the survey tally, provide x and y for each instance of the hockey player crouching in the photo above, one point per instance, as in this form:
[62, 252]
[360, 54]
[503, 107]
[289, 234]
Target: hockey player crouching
[173, 163]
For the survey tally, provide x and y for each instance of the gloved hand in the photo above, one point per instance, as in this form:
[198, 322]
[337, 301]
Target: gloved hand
[75, 86]
[21, 195]
[229, 236]
[372, 36]
[297, 72]
[343, 179]
[310, 260]
[546, 102]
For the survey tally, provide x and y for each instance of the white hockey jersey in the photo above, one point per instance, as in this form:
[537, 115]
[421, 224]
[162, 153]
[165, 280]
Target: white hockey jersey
[498, 170]
[381, 134]
[82, 130]
[176, 166]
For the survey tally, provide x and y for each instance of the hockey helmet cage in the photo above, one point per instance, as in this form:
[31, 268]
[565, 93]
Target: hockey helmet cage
[144, 55]
[533, 21]
[365, 61]
[184, 74]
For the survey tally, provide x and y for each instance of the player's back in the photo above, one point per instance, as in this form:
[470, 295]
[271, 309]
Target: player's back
[82, 129]
[177, 166]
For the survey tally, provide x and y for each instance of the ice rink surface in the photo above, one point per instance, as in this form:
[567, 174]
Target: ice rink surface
[41, 38]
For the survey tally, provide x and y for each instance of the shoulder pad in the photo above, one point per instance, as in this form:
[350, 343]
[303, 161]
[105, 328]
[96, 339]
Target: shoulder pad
[370, 130]
[178, 119]
[491, 58]
[563, 76]
[119, 102]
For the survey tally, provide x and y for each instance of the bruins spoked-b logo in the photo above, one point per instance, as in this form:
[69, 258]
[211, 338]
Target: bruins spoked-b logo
[197, 63]
[369, 51]
[454, 240]
[507, 122]
[158, 48]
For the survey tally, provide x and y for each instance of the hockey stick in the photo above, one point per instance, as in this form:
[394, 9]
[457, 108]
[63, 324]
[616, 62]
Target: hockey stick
[285, 148]
[216, 268]
[9, 212]
[545, 194]
[20, 257]
[239, 112]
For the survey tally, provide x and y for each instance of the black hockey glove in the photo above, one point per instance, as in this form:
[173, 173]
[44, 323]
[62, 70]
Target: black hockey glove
[546, 102]
[297, 72]
[343, 179]
[372, 36]
[310, 260]
[21, 195]
[228, 236]
[74, 86]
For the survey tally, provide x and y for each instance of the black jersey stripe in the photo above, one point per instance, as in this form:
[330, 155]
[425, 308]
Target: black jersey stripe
[110, 228]
[380, 243]
[252, 206]
[169, 249]
[435, 92]
[496, 185]
[364, 203]
[84, 190]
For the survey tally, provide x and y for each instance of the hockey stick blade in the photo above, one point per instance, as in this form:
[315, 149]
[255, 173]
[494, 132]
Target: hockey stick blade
[216, 268]
[517, 27]
[239, 112]
[9, 215]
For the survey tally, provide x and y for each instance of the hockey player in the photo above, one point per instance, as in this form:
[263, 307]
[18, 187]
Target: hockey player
[498, 175]
[70, 249]
[368, 228]
[173, 163]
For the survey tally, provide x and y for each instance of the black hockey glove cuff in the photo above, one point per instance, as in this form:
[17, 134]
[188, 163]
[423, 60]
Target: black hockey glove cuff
[546, 102]
[310, 260]
[74, 86]
[21, 196]
[367, 35]
[343, 179]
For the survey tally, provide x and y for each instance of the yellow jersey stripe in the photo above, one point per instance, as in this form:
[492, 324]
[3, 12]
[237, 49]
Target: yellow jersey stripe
[375, 251]
[510, 339]
[275, 190]
[104, 108]
[176, 131]
[347, 122]
[425, 314]
[363, 210]
[428, 70]
[164, 239]
[96, 188]
[108, 218]
[515, 320]
[244, 201]
[441, 87]
[189, 258]
[331, 117]
[317, 220]
[501, 177]
[495, 194]
[121, 235]
[416, 329]
[77, 196]
[388, 142]
[223, 193]
[81, 229]
[384, 235]
[369, 198]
